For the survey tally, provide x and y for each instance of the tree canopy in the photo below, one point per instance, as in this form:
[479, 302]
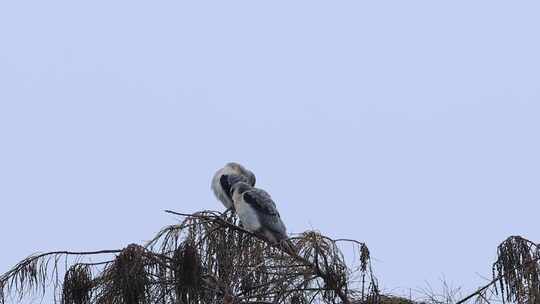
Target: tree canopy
[208, 258]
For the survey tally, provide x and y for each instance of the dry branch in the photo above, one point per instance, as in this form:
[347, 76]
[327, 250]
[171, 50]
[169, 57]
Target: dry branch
[516, 271]
[206, 258]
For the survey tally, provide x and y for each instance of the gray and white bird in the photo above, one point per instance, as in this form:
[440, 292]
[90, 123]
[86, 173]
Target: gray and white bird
[226, 177]
[258, 214]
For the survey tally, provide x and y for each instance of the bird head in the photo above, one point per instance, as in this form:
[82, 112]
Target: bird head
[240, 188]
[241, 170]
[251, 178]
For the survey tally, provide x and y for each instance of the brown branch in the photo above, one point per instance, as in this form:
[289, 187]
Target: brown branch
[326, 278]
[32, 258]
[477, 292]
[285, 267]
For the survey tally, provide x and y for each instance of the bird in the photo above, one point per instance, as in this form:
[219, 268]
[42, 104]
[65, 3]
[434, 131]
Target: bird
[226, 177]
[258, 214]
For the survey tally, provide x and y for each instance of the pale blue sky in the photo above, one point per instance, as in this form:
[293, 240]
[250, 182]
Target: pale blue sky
[411, 125]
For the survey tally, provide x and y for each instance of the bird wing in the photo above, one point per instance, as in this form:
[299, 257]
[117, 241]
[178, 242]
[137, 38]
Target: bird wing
[267, 212]
[261, 201]
[224, 182]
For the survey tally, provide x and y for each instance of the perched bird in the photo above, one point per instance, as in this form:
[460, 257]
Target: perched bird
[258, 214]
[226, 177]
